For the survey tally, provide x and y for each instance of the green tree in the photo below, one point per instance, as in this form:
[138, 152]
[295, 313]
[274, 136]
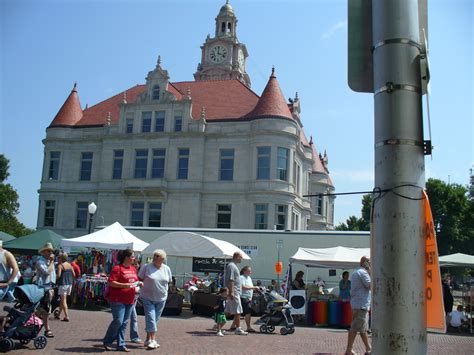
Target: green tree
[9, 205]
[354, 223]
[452, 211]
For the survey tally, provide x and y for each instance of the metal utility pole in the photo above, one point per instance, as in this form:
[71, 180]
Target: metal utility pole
[398, 250]
[391, 70]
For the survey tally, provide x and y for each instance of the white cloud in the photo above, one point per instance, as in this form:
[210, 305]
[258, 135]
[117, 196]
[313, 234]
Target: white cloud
[338, 26]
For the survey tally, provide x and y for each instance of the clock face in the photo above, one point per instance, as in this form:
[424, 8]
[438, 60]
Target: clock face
[241, 59]
[217, 54]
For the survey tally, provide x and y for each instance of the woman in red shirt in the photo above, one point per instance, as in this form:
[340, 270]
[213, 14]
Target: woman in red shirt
[122, 282]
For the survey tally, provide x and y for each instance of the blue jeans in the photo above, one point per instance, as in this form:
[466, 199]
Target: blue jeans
[7, 292]
[134, 323]
[153, 312]
[116, 331]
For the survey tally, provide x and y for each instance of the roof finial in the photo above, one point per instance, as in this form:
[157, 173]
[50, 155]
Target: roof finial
[124, 99]
[158, 62]
[226, 2]
[273, 71]
[188, 92]
[75, 85]
[310, 140]
[203, 113]
[296, 96]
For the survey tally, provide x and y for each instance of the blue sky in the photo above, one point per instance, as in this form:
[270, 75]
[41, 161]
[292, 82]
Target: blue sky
[108, 46]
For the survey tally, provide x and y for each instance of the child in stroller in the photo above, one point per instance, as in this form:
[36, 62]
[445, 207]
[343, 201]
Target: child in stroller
[277, 312]
[21, 323]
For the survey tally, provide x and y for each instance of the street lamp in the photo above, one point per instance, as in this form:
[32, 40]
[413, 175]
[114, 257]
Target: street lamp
[91, 209]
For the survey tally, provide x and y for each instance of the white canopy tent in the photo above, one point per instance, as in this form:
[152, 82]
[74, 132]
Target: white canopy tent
[458, 259]
[112, 237]
[337, 257]
[188, 244]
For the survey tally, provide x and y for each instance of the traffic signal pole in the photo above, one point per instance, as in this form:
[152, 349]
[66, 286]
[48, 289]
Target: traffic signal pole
[398, 249]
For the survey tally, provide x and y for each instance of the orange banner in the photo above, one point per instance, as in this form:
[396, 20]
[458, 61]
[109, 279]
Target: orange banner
[435, 316]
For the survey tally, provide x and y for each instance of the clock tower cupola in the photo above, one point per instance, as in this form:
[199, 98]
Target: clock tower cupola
[223, 56]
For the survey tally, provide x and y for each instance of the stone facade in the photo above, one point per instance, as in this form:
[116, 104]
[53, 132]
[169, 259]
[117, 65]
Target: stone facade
[157, 155]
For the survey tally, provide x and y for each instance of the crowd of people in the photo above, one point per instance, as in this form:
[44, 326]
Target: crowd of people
[150, 283]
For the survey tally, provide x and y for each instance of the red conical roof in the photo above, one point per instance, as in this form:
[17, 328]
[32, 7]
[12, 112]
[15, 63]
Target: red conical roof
[70, 112]
[272, 102]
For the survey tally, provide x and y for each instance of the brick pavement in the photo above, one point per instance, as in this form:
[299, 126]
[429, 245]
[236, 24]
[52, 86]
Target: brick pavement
[188, 334]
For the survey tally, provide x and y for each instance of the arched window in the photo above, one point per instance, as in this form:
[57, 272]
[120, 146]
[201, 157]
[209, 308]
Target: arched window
[229, 27]
[156, 92]
[223, 27]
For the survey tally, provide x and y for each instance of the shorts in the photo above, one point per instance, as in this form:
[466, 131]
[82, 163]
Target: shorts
[233, 306]
[360, 320]
[44, 307]
[220, 318]
[64, 290]
[246, 306]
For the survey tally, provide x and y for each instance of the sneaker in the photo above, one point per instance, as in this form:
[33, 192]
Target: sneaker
[219, 334]
[150, 345]
[137, 341]
[239, 331]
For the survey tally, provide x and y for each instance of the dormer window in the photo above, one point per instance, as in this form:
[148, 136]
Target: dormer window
[156, 93]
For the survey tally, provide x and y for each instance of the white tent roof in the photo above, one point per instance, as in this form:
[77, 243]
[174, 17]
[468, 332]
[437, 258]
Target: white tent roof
[457, 259]
[190, 244]
[337, 257]
[111, 237]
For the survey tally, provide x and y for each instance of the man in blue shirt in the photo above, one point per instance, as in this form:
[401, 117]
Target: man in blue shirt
[360, 302]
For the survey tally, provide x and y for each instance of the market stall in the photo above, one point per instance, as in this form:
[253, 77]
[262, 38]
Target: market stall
[193, 245]
[29, 244]
[467, 289]
[325, 309]
[99, 251]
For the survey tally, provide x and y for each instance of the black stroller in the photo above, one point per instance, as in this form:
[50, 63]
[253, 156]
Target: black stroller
[23, 324]
[277, 312]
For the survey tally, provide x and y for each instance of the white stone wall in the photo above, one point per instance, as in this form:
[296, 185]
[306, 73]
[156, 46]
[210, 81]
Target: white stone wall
[185, 203]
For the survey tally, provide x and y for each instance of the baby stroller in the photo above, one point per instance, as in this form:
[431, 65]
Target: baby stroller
[277, 312]
[23, 325]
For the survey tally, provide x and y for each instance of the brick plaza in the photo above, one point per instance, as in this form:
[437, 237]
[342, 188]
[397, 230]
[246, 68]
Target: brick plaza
[189, 334]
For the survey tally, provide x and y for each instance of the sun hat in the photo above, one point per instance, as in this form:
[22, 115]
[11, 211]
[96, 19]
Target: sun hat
[47, 246]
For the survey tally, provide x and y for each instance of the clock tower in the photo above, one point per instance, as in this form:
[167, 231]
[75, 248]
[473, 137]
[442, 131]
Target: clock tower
[223, 56]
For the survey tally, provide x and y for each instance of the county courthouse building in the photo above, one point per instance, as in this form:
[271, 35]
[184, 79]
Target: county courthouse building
[207, 153]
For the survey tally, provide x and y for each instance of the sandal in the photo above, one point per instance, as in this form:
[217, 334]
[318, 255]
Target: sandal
[65, 320]
[250, 330]
[108, 347]
[48, 334]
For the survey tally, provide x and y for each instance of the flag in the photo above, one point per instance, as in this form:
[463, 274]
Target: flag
[286, 284]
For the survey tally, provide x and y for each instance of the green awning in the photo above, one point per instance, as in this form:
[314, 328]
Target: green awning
[29, 244]
[5, 237]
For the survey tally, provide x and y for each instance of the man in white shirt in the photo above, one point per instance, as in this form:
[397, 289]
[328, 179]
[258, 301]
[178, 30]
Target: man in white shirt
[457, 318]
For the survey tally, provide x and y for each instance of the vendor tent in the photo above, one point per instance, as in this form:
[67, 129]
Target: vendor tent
[112, 237]
[30, 244]
[190, 245]
[458, 259]
[337, 257]
[5, 237]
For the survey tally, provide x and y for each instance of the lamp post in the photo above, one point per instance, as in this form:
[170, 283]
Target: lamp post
[91, 209]
[279, 244]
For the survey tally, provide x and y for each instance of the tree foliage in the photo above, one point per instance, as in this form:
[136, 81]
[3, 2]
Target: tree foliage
[453, 216]
[9, 205]
[354, 223]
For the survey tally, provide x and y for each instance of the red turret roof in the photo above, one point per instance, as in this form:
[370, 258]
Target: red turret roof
[70, 112]
[272, 102]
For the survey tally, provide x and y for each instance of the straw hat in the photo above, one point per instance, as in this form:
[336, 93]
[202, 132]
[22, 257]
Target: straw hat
[47, 246]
